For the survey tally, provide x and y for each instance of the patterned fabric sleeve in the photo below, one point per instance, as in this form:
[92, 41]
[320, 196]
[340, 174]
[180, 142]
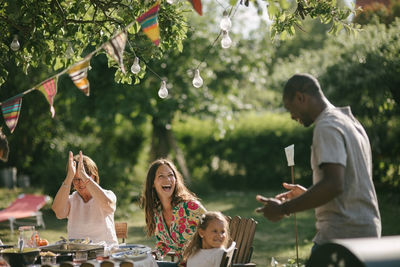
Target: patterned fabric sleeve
[162, 247]
[195, 209]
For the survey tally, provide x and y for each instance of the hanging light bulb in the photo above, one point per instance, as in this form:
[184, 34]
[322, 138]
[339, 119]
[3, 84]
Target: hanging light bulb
[197, 80]
[163, 92]
[69, 53]
[15, 44]
[226, 41]
[135, 66]
[225, 23]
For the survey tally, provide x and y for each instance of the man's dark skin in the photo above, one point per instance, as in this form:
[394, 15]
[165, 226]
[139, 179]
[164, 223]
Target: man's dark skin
[305, 108]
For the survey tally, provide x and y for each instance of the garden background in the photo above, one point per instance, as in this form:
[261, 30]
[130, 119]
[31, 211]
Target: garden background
[228, 136]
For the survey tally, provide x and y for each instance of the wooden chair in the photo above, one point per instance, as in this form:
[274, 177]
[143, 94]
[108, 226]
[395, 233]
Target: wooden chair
[242, 231]
[121, 230]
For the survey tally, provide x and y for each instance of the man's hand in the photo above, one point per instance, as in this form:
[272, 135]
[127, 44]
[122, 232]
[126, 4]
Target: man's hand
[272, 209]
[295, 190]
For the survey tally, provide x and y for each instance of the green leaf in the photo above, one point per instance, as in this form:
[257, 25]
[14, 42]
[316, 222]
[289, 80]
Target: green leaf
[58, 64]
[273, 11]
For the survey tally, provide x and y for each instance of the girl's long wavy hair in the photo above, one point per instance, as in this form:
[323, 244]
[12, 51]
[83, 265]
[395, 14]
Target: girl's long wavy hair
[196, 243]
[150, 200]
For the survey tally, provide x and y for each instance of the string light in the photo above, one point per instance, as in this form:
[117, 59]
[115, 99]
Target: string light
[197, 80]
[15, 44]
[163, 92]
[135, 66]
[225, 23]
[226, 41]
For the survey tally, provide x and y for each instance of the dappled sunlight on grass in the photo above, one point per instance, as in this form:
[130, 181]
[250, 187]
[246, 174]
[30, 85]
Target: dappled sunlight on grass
[272, 239]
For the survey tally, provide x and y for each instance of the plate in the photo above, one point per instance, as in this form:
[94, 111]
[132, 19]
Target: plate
[76, 241]
[133, 251]
[132, 246]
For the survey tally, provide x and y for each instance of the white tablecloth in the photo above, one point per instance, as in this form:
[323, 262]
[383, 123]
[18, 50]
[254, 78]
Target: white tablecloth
[149, 261]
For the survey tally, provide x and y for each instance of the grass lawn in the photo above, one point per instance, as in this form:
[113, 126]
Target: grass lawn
[271, 239]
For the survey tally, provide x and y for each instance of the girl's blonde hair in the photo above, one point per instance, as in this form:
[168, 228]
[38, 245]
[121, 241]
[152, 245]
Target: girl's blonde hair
[150, 200]
[196, 242]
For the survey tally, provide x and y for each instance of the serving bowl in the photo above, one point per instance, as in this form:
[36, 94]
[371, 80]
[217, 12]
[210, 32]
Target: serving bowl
[15, 258]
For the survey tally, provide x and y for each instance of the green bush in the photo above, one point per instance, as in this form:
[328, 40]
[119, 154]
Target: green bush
[250, 156]
[361, 71]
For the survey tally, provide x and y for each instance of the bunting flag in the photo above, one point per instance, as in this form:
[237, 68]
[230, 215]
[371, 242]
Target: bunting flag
[11, 109]
[78, 74]
[149, 23]
[49, 89]
[197, 6]
[115, 48]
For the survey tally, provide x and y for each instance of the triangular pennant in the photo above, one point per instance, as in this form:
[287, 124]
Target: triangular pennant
[78, 74]
[197, 6]
[115, 48]
[11, 109]
[149, 23]
[49, 89]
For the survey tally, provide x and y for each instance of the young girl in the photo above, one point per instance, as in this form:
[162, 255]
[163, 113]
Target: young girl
[209, 242]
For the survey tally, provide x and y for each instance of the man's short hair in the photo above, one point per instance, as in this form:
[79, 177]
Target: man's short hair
[304, 83]
[4, 146]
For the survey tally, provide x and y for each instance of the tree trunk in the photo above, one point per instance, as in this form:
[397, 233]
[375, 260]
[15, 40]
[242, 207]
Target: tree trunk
[162, 142]
[159, 140]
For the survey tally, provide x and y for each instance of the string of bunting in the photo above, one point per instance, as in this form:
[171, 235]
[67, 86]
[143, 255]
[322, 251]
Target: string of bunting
[115, 48]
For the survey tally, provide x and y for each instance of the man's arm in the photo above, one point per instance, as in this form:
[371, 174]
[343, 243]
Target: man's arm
[329, 187]
[322, 192]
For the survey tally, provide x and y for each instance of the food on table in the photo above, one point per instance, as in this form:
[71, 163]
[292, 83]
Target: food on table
[47, 253]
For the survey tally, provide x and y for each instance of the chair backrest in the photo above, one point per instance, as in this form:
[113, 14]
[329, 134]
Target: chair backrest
[121, 230]
[242, 231]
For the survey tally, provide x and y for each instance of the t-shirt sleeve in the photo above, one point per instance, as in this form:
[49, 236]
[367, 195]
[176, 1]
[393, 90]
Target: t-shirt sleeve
[110, 194]
[329, 145]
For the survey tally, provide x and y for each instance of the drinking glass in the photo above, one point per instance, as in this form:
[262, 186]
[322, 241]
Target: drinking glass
[27, 233]
[80, 256]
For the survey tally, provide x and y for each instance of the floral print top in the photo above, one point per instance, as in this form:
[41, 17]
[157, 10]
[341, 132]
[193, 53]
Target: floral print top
[186, 216]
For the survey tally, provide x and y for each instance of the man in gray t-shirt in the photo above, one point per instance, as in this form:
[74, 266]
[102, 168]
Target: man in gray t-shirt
[343, 193]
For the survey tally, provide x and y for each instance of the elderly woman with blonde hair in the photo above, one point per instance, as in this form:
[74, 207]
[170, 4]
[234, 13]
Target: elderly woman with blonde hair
[90, 209]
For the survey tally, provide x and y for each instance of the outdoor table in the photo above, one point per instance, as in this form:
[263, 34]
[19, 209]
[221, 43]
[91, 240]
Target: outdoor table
[148, 261]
